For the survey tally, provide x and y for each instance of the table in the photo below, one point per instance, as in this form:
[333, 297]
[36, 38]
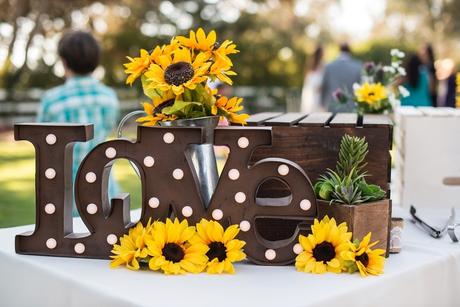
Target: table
[425, 273]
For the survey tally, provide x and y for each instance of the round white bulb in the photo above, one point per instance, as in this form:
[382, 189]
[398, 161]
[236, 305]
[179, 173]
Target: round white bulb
[110, 152]
[149, 161]
[51, 139]
[187, 211]
[240, 197]
[283, 169]
[50, 208]
[233, 174]
[217, 214]
[79, 248]
[270, 254]
[51, 243]
[245, 226]
[91, 208]
[90, 177]
[178, 174]
[168, 137]
[297, 248]
[243, 142]
[305, 204]
[50, 173]
[154, 202]
[112, 239]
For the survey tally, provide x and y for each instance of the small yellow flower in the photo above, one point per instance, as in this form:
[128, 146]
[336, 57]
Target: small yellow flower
[221, 70]
[323, 247]
[366, 260]
[371, 93]
[199, 40]
[137, 66]
[224, 249]
[171, 251]
[229, 109]
[132, 247]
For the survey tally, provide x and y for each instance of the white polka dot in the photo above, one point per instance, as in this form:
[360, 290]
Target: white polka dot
[168, 137]
[112, 239]
[50, 208]
[51, 243]
[91, 208]
[90, 177]
[240, 197]
[217, 214]
[233, 174]
[187, 211]
[270, 254]
[110, 152]
[243, 142]
[79, 248]
[178, 174]
[149, 161]
[154, 202]
[245, 226]
[50, 173]
[305, 204]
[297, 248]
[50, 139]
[283, 169]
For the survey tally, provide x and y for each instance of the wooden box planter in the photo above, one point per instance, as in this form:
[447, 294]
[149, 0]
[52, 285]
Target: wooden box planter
[372, 217]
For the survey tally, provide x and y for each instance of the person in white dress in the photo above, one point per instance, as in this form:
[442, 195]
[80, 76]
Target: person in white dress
[311, 91]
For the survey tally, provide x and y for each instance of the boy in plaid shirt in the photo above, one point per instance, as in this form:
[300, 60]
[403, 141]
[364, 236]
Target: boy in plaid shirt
[82, 98]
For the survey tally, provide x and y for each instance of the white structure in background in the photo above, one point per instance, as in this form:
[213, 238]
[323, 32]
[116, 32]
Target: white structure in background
[427, 156]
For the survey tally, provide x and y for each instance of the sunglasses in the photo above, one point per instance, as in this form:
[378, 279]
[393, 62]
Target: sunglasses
[451, 227]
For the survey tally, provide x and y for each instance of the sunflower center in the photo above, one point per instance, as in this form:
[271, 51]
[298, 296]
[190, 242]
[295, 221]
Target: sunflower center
[178, 73]
[363, 258]
[324, 252]
[173, 252]
[217, 250]
[216, 46]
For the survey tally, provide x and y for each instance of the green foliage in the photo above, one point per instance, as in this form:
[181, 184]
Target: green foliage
[347, 185]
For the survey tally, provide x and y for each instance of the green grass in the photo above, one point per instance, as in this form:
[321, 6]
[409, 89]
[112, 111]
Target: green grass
[17, 182]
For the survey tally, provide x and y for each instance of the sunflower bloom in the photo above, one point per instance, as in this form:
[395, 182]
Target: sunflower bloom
[177, 71]
[199, 40]
[221, 69]
[171, 251]
[132, 247]
[371, 93]
[229, 108]
[224, 249]
[137, 66]
[323, 247]
[364, 259]
[153, 110]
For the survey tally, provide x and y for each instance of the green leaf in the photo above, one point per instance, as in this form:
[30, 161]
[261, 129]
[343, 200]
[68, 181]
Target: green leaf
[179, 106]
[149, 92]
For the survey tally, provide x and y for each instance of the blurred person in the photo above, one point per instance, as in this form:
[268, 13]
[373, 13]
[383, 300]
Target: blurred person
[341, 73]
[417, 83]
[82, 98]
[427, 56]
[311, 91]
[445, 73]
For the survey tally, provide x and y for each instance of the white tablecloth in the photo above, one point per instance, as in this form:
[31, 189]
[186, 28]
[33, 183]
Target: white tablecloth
[425, 273]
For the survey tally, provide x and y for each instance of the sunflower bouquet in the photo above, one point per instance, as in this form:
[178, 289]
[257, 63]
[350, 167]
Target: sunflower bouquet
[379, 91]
[175, 78]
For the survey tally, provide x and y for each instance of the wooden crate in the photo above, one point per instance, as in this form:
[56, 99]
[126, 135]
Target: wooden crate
[427, 156]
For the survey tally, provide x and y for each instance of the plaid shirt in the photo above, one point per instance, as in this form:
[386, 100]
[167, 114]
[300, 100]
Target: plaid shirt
[82, 99]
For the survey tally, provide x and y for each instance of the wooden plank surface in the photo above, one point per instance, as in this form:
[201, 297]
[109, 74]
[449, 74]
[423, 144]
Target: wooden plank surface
[373, 120]
[344, 120]
[287, 119]
[319, 119]
[259, 118]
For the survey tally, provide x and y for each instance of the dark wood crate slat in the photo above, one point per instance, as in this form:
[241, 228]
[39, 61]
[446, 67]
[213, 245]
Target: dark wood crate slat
[319, 119]
[259, 118]
[287, 119]
[344, 120]
[374, 120]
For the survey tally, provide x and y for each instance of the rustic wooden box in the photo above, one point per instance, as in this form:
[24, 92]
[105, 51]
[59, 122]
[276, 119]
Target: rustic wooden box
[313, 141]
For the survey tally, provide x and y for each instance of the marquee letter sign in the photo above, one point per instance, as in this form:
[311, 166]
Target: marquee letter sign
[169, 187]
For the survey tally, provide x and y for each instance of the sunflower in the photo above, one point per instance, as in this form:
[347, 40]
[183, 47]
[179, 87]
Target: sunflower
[137, 66]
[171, 251]
[224, 249]
[222, 70]
[229, 108]
[371, 93]
[132, 247]
[153, 109]
[177, 71]
[323, 247]
[363, 258]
